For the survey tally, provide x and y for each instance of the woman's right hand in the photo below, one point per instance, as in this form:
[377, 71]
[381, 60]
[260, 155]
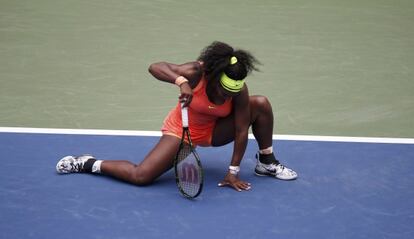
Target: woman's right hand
[186, 94]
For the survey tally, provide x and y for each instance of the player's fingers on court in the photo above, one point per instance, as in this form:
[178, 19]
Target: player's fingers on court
[247, 186]
[244, 185]
[236, 186]
[232, 185]
[241, 186]
[228, 184]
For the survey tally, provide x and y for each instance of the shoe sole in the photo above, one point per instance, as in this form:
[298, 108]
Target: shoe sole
[263, 174]
[272, 175]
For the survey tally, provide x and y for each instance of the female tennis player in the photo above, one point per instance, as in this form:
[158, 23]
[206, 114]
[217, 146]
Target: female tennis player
[220, 111]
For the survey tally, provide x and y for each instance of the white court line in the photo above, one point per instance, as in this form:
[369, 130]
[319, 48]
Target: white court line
[158, 133]
[78, 131]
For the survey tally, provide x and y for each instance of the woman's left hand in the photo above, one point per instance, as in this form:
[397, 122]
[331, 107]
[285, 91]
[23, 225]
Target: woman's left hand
[233, 181]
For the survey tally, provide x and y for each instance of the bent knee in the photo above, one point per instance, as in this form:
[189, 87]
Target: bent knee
[259, 101]
[141, 177]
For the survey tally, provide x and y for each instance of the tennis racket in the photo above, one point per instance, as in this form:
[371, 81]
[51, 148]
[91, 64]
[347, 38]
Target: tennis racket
[187, 164]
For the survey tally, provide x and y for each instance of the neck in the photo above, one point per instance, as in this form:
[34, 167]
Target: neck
[213, 95]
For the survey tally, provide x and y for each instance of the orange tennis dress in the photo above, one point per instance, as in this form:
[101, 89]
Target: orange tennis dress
[202, 117]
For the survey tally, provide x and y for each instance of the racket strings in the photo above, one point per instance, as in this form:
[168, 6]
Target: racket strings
[189, 172]
[185, 150]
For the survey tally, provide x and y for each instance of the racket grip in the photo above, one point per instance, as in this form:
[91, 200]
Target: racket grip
[184, 115]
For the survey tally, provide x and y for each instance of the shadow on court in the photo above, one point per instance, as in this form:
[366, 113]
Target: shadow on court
[344, 190]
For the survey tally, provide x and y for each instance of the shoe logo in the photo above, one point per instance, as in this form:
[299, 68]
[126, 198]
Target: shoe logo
[270, 168]
[211, 107]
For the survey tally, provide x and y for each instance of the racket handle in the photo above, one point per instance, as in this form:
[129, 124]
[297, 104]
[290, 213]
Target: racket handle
[184, 115]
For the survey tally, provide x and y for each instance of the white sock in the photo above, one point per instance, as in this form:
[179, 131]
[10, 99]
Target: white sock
[268, 150]
[96, 167]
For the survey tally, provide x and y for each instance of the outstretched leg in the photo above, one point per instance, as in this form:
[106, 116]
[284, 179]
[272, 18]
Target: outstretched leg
[159, 160]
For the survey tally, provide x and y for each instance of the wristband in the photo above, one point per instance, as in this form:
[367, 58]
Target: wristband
[234, 170]
[180, 80]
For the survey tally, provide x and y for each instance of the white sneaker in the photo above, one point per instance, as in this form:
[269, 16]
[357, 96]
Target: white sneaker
[275, 170]
[70, 164]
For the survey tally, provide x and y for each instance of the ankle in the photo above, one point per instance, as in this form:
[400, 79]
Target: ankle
[268, 159]
[268, 150]
[87, 167]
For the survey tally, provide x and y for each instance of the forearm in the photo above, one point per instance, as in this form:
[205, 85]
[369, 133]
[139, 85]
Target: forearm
[240, 144]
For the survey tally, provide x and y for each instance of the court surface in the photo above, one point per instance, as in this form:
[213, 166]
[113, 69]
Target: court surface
[344, 190]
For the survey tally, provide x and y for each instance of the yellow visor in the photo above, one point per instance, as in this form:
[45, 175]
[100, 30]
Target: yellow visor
[230, 84]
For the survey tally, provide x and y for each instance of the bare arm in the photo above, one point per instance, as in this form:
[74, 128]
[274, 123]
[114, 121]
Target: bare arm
[169, 72]
[241, 127]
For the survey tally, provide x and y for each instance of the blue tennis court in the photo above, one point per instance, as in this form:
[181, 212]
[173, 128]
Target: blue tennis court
[339, 68]
[344, 190]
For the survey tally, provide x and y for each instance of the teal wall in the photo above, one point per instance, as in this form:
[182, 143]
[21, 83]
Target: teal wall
[329, 67]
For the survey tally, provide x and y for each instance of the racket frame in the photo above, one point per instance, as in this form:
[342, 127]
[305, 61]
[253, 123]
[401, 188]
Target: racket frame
[186, 134]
